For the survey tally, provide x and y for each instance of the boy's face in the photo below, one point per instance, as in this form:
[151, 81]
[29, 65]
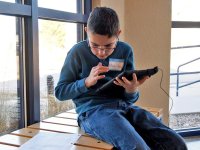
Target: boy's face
[102, 46]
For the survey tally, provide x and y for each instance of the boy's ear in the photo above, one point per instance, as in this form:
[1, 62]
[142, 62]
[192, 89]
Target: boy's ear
[119, 32]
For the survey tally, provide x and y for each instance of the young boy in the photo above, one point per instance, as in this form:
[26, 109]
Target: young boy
[110, 116]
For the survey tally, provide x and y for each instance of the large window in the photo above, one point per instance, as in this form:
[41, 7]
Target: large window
[10, 85]
[35, 38]
[185, 65]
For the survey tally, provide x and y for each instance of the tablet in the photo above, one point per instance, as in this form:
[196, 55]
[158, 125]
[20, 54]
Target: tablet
[128, 74]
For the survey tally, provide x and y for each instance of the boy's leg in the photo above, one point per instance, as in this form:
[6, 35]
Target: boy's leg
[111, 126]
[153, 131]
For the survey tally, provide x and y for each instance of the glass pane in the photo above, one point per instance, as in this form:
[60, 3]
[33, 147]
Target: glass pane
[185, 55]
[9, 76]
[55, 39]
[185, 37]
[185, 10]
[63, 5]
[12, 1]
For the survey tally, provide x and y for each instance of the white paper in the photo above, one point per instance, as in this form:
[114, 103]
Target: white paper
[50, 141]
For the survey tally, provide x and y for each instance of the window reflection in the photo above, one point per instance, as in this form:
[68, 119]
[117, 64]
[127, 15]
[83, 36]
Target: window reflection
[9, 76]
[55, 39]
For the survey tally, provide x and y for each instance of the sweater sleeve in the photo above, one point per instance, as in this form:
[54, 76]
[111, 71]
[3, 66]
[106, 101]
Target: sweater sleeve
[69, 85]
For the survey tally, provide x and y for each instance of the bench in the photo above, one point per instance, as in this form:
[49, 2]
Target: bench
[62, 123]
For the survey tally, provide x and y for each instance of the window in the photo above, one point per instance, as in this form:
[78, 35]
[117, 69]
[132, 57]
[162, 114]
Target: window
[10, 80]
[185, 62]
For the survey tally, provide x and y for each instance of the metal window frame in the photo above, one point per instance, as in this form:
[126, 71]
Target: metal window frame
[30, 12]
[189, 132]
[15, 9]
[185, 24]
[20, 81]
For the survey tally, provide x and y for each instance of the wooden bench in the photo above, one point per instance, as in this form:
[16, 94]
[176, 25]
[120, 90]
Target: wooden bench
[62, 123]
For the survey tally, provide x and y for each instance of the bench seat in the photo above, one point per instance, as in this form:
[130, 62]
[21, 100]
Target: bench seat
[62, 123]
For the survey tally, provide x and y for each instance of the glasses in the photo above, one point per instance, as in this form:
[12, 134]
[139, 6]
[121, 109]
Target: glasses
[106, 48]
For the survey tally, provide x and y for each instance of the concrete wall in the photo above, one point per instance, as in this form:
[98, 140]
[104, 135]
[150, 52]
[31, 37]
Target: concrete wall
[146, 25]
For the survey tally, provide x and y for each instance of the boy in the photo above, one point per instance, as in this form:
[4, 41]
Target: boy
[110, 116]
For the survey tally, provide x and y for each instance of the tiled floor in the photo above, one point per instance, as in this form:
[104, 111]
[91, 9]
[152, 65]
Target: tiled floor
[193, 143]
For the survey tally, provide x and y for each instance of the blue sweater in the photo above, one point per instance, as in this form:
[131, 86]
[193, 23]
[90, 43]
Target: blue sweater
[77, 67]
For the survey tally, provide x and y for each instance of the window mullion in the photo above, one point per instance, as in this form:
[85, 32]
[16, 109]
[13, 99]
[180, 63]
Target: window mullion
[32, 65]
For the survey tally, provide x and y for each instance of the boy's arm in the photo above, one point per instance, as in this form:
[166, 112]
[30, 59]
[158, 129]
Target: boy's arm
[69, 85]
[70, 90]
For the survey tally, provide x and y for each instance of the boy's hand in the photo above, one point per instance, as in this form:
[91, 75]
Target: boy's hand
[95, 75]
[130, 86]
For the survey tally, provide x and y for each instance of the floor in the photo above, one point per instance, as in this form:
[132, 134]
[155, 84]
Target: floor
[193, 143]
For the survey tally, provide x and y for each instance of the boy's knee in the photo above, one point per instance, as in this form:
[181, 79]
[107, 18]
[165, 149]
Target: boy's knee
[182, 146]
[178, 144]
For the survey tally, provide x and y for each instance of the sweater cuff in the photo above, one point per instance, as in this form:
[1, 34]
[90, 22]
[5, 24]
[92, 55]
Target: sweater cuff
[134, 95]
[82, 86]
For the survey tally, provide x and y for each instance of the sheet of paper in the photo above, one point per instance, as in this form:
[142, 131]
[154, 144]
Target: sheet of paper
[50, 141]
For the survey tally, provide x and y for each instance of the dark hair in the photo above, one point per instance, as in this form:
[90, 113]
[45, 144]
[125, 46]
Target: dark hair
[103, 21]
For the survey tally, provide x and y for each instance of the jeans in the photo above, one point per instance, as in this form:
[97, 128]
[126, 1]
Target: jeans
[129, 127]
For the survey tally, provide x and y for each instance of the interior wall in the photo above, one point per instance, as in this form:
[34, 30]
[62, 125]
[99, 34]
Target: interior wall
[146, 25]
